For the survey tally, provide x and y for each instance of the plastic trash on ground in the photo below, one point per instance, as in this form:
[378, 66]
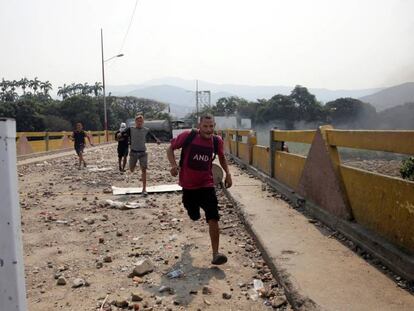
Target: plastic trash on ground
[175, 274]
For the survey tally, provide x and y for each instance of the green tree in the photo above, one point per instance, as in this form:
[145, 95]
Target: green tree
[309, 109]
[350, 112]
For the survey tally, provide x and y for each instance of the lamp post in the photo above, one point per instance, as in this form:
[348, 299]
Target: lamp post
[103, 85]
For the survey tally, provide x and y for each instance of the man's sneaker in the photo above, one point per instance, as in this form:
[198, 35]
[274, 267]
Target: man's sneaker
[144, 193]
[219, 259]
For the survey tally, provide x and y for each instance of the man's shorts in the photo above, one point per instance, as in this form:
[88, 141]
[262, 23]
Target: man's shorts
[122, 151]
[79, 149]
[134, 156]
[205, 198]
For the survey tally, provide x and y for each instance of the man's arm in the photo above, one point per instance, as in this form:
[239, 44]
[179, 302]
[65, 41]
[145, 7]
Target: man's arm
[223, 162]
[173, 163]
[89, 138]
[155, 137]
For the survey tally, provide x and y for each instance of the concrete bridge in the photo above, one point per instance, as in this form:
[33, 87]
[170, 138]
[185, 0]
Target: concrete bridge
[335, 237]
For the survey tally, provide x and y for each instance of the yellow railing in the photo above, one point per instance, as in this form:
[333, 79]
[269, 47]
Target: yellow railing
[35, 142]
[381, 203]
[240, 143]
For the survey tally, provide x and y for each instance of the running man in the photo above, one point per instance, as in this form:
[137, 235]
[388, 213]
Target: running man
[196, 176]
[122, 147]
[78, 136]
[137, 137]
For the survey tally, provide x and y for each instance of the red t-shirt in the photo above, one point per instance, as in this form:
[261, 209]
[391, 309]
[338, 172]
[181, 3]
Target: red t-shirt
[196, 171]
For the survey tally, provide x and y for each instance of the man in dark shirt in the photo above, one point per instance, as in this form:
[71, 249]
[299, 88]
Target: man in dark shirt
[78, 136]
[123, 142]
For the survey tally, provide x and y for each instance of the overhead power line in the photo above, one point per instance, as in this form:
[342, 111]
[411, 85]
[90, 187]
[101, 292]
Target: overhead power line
[129, 26]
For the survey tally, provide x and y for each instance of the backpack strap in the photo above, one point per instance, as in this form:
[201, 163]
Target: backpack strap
[215, 145]
[186, 143]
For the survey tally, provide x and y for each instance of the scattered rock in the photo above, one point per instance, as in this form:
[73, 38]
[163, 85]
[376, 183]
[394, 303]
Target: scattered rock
[142, 267]
[136, 297]
[123, 304]
[107, 259]
[207, 290]
[89, 221]
[226, 296]
[279, 301]
[78, 282]
[61, 281]
[208, 303]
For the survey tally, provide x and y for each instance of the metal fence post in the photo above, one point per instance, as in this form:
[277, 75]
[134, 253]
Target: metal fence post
[12, 282]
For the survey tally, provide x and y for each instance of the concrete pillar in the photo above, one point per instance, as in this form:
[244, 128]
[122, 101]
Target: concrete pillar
[12, 283]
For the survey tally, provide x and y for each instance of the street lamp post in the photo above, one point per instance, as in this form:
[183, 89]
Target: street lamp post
[103, 85]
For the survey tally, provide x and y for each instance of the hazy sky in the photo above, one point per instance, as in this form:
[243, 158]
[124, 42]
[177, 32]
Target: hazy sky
[319, 43]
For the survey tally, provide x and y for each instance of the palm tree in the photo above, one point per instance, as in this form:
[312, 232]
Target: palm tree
[84, 88]
[63, 91]
[97, 88]
[23, 84]
[34, 84]
[46, 87]
[72, 89]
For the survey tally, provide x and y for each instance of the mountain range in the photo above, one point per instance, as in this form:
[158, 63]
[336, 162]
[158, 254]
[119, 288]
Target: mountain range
[180, 93]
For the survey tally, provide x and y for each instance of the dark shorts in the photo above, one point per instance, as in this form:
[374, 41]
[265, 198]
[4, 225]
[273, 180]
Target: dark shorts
[122, 151]
[205, 198]
[79, 148]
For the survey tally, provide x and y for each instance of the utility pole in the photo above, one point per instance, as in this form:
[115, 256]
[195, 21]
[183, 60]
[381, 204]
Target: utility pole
[103, 90]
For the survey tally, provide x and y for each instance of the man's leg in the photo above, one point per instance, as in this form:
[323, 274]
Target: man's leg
[80, 159]
[133, 158]
[214, 231]
[124, 163]
[144, 179]
[119, 163]
[209, 204]
[143, 162]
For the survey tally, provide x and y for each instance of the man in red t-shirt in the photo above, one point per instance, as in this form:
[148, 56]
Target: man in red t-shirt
[196, 177]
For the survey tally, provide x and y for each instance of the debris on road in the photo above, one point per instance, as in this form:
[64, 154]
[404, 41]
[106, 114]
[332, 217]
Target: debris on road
[151, 256]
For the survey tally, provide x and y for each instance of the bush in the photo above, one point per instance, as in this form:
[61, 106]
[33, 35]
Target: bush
[407, 169]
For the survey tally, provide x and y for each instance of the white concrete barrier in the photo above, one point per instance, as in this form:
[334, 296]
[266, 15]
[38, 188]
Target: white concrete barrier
[12, 282]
